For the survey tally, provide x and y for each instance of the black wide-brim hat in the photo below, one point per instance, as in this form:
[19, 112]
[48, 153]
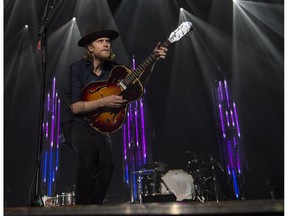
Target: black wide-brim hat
[95, 32]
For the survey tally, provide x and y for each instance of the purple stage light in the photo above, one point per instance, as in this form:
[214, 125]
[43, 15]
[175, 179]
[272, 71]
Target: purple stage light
[236, 118]
[51, 126]
[143, 129]
[135, 135]
[230, 140]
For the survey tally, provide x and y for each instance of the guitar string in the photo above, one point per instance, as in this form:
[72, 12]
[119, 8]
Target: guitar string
[135, 74]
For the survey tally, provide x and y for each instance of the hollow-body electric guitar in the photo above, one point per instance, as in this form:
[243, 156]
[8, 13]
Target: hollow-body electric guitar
[123, 81]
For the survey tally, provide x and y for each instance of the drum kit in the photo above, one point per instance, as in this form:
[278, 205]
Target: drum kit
[197, 182]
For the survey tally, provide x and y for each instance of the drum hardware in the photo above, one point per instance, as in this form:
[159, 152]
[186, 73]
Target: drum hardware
[156, 195]
[148, 182]
[214, 179]
[212, 163]
[201, 199]
[212, 160]
[143, 171]
[196, 167]
[142, 177]
[151, 184]
[205, 178]
[158, 167]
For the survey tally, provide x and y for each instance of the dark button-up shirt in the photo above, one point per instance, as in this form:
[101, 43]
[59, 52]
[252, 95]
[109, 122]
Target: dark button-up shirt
[81, 74]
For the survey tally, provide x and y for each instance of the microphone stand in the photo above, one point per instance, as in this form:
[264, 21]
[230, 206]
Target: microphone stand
[37, 200]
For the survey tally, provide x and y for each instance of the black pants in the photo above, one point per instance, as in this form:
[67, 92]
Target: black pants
[95, 164]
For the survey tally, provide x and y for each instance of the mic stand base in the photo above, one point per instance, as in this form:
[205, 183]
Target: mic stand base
[37, 201]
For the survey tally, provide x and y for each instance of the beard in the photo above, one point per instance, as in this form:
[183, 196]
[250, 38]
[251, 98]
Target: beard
[103, 55]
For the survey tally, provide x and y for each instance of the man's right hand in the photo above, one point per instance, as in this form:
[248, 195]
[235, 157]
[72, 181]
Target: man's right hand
[113, 101]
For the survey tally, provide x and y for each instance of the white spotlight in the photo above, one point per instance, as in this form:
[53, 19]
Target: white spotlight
[26, 26]
[74, 19]
[235, 1]
[181, 9]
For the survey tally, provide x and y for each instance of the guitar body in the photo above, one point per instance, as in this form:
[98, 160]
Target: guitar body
[108, 120]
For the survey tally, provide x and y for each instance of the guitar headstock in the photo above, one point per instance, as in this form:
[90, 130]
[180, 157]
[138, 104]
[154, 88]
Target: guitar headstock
[182, 30]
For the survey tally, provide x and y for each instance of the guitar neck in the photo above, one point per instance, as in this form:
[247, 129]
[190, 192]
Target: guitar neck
[150, 60]
[146, 63]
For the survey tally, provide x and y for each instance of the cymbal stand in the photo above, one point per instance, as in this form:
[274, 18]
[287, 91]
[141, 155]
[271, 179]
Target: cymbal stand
[212, 161]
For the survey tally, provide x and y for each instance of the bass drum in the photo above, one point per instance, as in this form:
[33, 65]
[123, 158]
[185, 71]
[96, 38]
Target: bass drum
[180, 183]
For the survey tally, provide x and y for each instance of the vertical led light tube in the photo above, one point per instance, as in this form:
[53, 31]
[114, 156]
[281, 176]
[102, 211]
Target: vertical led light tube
[230, 139]
[45, 167]
[58, 132]
[137, 146]
[232, 118]
[130, 117]
[143, 130]
[135, 156]
[236, 118]
[227, 94]
[227, 118]
[46, 128]
[230, 155]
[51, 129]
[136, 123]
[48, 102]
[235, 183]
[238, 162]
[222, 121]
[126, 171]
[220, 91]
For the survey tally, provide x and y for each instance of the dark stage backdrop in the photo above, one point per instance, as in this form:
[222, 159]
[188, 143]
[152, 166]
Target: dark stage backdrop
[179, 97]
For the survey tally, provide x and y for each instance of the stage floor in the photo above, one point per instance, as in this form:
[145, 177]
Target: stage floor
[246, 207]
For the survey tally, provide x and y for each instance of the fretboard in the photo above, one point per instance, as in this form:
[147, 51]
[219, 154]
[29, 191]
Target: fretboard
[130, 78]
